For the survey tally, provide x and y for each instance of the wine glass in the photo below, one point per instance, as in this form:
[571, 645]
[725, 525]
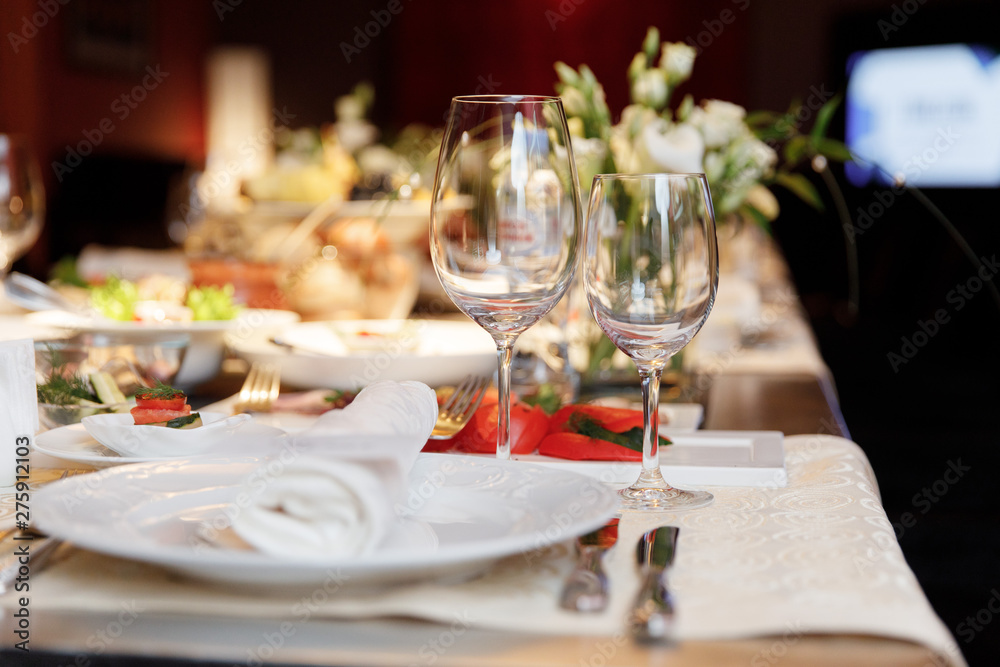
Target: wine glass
[22, 200]
[505, 219]
[651, 270]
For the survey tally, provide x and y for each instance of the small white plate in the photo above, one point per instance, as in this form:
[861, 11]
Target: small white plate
[314, 355]
[475, 510]
[73, 443]
[701, 458]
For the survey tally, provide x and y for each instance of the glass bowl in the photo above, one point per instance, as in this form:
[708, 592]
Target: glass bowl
[66, 372]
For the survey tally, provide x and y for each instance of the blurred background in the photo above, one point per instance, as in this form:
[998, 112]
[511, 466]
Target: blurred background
[116, 99]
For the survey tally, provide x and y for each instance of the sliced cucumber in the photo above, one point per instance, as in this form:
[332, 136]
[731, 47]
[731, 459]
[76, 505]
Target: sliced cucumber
[192, 420]
[106, 388]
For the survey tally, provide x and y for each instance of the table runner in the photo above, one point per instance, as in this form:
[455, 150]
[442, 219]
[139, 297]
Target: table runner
[816, 557]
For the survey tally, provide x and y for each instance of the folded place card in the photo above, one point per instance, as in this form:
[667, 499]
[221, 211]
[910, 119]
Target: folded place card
[18, 406]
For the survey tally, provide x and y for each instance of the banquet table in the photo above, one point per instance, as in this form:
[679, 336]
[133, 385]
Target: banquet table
[802, 568]
[804, 574]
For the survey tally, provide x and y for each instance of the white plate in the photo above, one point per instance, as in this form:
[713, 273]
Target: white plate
[206, 349]
[315, 356]
[120, 433]
[161, 513]
[701, 458]
[72, 443]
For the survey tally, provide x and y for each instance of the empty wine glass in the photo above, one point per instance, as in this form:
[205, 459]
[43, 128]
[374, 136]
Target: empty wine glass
[22, 200]
[505, 219]
[651, 271]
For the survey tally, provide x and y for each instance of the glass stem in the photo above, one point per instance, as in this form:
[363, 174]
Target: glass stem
[650, 477]
[505, 349]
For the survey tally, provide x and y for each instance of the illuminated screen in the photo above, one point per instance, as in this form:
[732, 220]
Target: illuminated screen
[930, 113]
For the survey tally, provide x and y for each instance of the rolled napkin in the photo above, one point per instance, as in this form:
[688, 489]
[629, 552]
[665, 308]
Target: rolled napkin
[18, 407]
[331, 494]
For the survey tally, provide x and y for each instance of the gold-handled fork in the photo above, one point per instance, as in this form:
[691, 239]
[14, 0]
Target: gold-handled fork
[457, 410]
[260, 388]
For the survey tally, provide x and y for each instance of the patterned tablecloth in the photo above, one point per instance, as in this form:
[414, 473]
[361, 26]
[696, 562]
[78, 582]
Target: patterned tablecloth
[818, 556]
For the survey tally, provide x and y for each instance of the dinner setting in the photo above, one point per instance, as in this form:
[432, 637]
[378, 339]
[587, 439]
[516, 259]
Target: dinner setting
[531, 333]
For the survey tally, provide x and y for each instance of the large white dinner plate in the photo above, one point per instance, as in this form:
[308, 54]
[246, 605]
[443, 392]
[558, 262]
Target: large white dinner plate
[323, 354]
[474, 510]
[74, 444]
[701, 458]
[206, 349]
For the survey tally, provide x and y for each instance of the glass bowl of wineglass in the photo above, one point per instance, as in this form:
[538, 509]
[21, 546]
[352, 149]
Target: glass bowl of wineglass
[22, 200]
[651, 272]
[505, 219]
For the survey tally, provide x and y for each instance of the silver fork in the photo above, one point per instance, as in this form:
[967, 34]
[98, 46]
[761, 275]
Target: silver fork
[40, 548]
[260, 388]
[457, 410]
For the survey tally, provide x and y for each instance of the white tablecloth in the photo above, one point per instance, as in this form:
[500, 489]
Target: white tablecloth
[816, 557]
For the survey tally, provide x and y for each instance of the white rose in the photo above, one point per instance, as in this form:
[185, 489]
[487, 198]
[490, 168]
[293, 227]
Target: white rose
[574, 103]
[678, 149]
[650, 89]
[625, 138]
[677, 60]
[719, 122]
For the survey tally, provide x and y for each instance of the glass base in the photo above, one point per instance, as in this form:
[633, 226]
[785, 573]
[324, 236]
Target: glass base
[663, 499]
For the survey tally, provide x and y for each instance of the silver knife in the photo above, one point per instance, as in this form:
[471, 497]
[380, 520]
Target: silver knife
[652, 617]
[586, 587]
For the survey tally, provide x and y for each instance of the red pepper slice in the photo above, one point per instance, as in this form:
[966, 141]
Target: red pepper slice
[528, 425]
[618, 420]
[578, 447]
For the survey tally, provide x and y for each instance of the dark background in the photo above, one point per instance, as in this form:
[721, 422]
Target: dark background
[914, 421]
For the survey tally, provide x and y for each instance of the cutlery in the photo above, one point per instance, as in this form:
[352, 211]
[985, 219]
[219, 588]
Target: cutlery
[39, 549]
[260, 388]
[586, 587]
[457, 410]
[652, 616]
[33, 294]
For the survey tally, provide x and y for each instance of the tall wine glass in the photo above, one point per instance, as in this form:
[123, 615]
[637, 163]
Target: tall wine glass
[505, 219]
[22, 200]
[651, 271]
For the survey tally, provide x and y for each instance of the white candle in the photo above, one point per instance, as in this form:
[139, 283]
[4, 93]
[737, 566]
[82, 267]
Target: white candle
[240, 124]
[18, 407]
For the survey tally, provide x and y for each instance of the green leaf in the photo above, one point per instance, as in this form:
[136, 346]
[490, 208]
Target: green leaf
[763, 118]
[800, 186]
[546, 398]
[824, 116]
[833, 150]
[796, 149]
[631, 439]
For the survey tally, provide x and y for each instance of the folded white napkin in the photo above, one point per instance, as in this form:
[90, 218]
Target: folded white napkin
[18, 406]
[331, 494]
